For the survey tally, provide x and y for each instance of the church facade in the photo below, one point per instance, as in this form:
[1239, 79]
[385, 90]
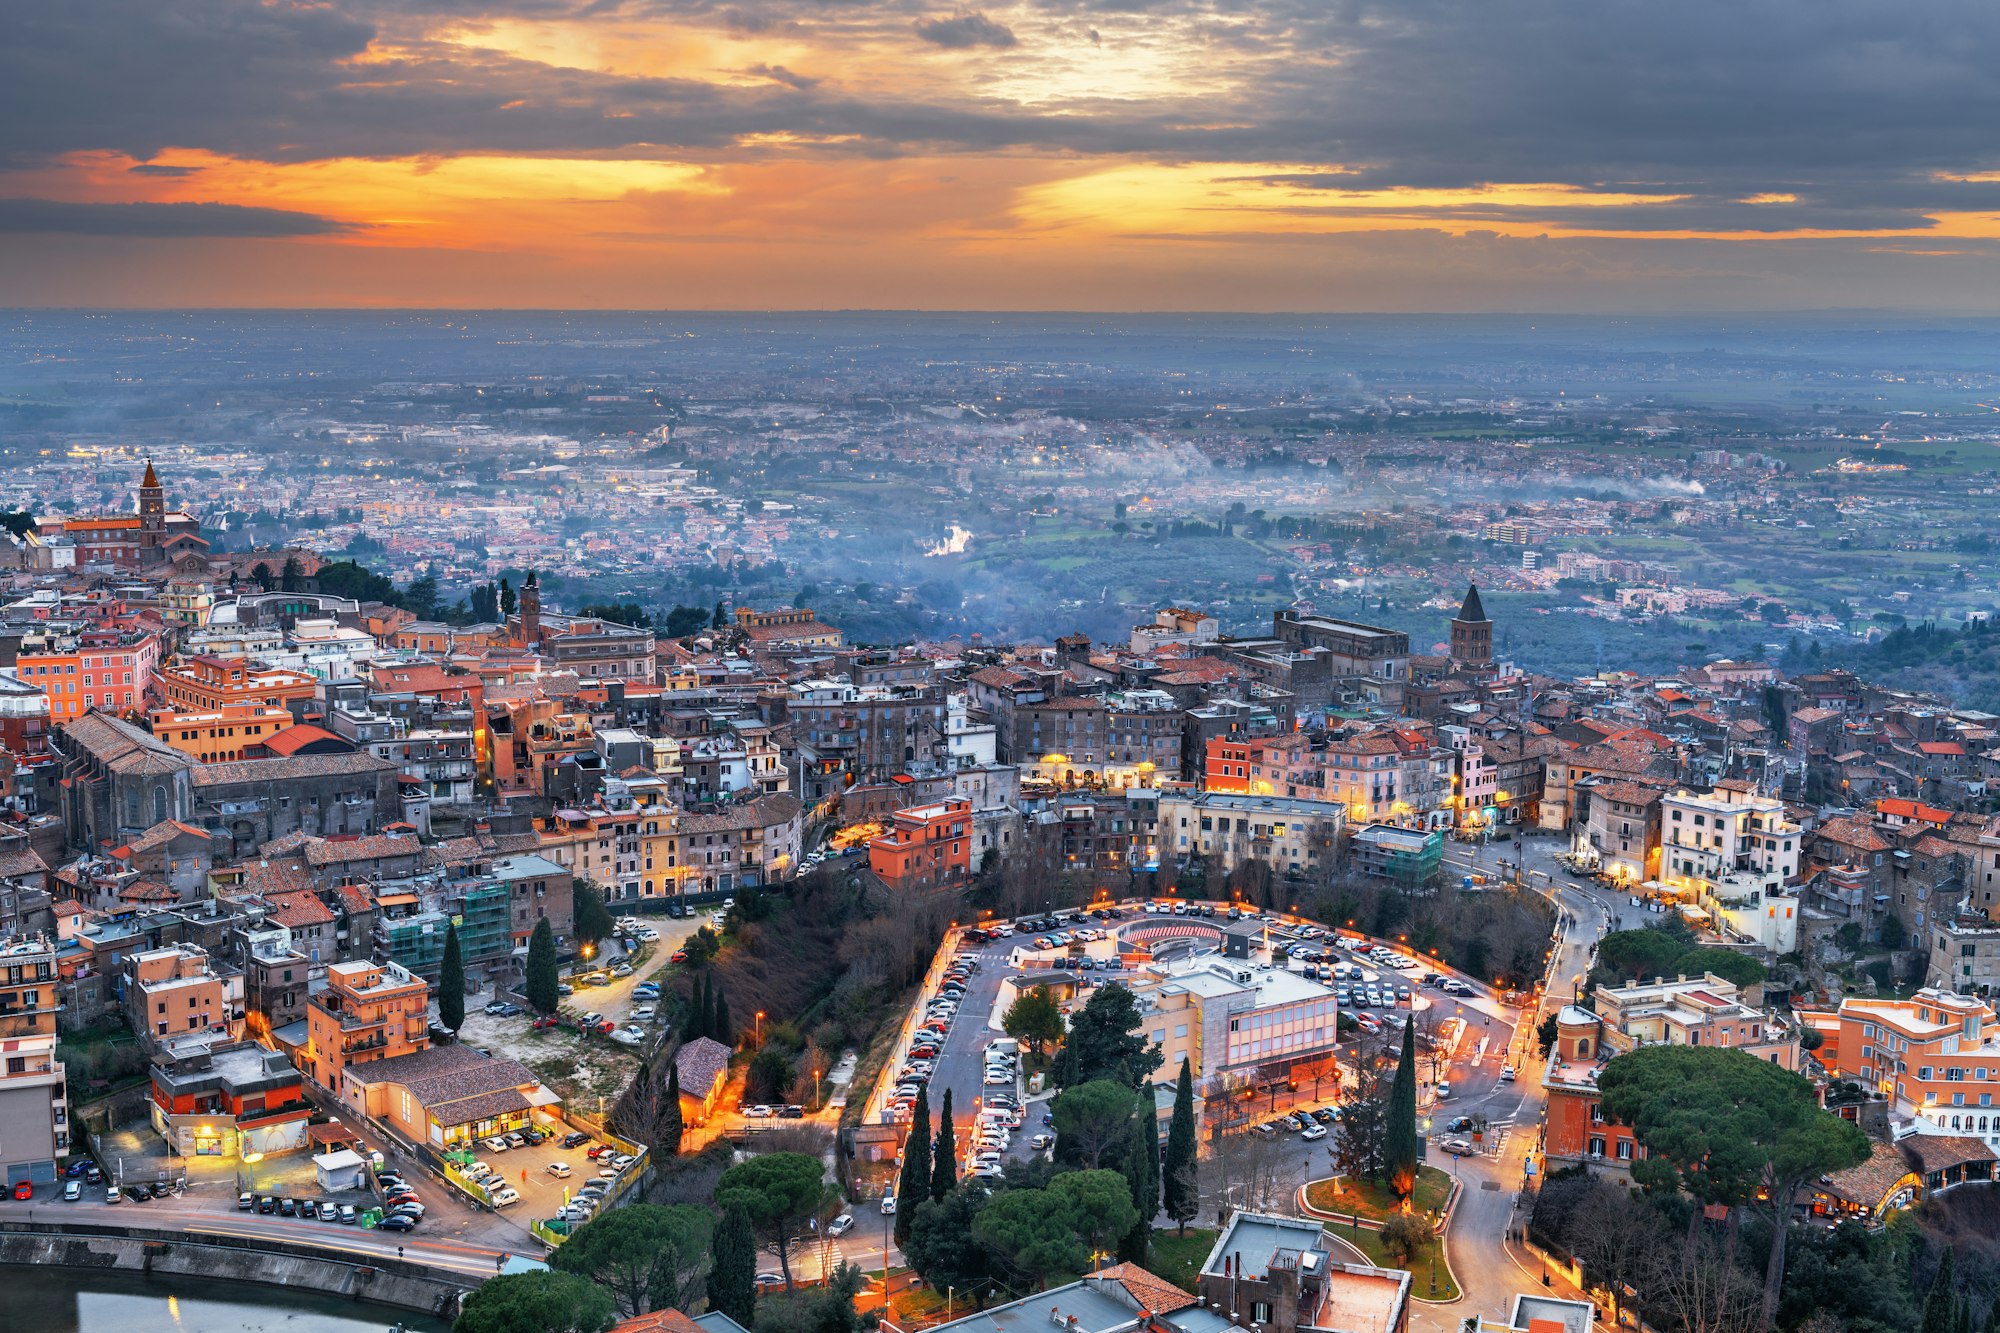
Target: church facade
[155, 535]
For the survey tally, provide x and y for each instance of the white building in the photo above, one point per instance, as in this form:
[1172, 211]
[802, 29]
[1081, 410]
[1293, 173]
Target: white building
[1731, 831]
[1287, 833]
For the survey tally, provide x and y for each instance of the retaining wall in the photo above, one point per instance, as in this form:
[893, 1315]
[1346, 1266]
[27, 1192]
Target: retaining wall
[392, 1282]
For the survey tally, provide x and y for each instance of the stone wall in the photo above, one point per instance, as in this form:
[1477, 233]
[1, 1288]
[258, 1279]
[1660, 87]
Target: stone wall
[405, 1285]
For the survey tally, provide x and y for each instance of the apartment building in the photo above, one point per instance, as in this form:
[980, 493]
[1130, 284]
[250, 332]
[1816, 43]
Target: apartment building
[1292, 835]
[926, 847]
[1935, 1057]
[206, 684]
[368, 1011]
[34, 1097]
[177, 991]
[105, 669]
[236, 732]
[1731, 831]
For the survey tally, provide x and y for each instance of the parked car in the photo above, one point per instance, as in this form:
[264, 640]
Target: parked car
[495, 1144]
[575, 1140]
[347, 1214]
[889, 1204]
[758, 1112]
[514, 1140]
[841, 1225]
[396, 1222]
[112, 1194]
[1314, 1132]
[73, 1190]
[560, 1170]
[246, 1201]
[1459, 1148]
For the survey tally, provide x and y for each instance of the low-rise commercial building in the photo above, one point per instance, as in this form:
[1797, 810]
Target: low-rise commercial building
[213, 1097]
[1292, 835]
[1228, 1017]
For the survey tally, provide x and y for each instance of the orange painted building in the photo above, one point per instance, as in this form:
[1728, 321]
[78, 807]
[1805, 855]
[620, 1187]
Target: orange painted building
[368, 1012]
[101, 670]
[236, 732]
[176, 992]
[1257, 765]
[926, 846]
[1935, 1056]
[205, 684]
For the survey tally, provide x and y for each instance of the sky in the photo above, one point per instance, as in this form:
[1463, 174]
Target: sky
[1596, 156]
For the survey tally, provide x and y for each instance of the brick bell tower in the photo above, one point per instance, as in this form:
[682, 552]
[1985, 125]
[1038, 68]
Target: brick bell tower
[1471, 634]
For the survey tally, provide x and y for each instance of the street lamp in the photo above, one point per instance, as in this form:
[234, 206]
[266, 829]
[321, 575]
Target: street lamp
[760, 1029]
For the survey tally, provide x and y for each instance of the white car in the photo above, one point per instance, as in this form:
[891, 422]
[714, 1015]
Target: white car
[560, 1170]
[759, 1112]
[841, 1225]
[494, 1144]
[1314, 1132]
[630, 1036]
[889, 1204]
[645, 1013]
[505, 1195]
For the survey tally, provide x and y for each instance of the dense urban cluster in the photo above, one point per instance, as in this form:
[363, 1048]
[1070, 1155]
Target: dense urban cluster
[1295, 979]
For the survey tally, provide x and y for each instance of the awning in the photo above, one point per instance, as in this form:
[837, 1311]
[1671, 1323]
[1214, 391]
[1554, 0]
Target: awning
[541, 1097]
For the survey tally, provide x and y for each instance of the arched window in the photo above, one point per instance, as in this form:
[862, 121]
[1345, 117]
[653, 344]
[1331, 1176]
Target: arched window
[159, 805]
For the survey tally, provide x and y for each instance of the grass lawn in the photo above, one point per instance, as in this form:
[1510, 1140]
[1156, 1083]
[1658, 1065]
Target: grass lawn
[1178, 1258]
[1377, 1201]
[1428, 1259]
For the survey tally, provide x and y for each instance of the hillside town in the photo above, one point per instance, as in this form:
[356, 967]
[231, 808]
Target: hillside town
[1301, 979]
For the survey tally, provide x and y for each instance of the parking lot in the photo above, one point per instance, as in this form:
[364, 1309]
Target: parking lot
[526, 1171]
[1367, 983]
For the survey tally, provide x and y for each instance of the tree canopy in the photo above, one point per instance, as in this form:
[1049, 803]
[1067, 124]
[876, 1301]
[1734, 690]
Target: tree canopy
[1729, 1129]
[1033, 1018]
[779, 1192]
[650, 1257]
[1105, 1042]
[1092, 1122]
[537, 1303]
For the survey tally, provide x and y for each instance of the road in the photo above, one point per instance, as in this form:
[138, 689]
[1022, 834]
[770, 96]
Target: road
[1489, 1266]
[339, 1242]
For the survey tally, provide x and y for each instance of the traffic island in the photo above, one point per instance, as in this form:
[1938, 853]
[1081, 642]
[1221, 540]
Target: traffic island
[1357, 1212]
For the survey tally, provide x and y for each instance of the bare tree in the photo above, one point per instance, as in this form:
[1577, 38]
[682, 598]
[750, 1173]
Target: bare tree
[1250, 1173]
[1701, 1291]
[1617, 1237]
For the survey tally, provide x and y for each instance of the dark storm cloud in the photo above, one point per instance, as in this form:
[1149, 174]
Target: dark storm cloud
[1857, 106]
[965, 31]
[157, 221]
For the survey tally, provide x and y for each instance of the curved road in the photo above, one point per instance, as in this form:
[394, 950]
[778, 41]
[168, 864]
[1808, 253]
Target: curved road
[1490, 1267]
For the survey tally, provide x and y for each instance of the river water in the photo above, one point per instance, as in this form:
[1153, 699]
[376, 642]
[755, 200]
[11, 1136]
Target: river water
[68, 1300]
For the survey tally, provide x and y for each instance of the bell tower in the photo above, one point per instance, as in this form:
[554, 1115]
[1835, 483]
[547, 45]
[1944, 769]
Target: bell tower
[152, 509]
[1471, 634]
[531, 611]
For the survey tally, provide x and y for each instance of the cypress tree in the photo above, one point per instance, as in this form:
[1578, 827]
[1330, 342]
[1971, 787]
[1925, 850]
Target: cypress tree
[697, 1023]
[542, 980]
[671, 1127]
[732, 1282]
[451, 982]
[944, 1152]
[1142, 1173]
[914, 1185]
[1938, 1313]
[720, 1027]
[1182, 1190]
[1400, 1137]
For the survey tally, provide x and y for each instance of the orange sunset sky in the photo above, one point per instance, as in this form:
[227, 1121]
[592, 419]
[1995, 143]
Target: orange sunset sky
[1140, 154]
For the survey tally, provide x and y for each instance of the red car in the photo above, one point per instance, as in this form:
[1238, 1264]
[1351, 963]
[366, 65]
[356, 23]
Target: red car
[25, 1190]
[543, 1023]
[678, 956]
